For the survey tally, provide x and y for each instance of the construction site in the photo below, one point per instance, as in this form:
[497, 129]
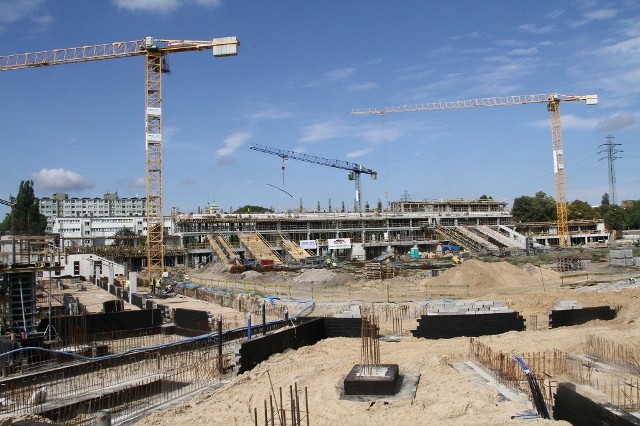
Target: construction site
[444, 311]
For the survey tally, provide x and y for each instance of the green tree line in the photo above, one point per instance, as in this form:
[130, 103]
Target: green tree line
[542, 208]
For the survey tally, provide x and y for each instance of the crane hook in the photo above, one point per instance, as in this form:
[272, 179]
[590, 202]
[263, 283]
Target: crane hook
[283, 167]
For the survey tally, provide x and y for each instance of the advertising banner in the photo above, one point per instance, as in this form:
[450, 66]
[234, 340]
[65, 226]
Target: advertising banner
[339, 243]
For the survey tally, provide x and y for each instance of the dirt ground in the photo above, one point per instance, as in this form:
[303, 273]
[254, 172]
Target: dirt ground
[446, 393]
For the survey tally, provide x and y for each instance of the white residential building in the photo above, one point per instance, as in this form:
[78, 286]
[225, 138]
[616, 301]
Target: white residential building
[99, 231]
[110, 205]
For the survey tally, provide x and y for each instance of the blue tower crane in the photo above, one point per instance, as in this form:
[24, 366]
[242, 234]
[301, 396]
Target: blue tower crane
[355, 170]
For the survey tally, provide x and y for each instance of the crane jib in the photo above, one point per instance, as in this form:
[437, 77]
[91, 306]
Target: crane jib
[154, 50]
[553, 105]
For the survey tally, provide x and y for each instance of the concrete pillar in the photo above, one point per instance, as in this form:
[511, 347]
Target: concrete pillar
[111, 274]
[133, 284]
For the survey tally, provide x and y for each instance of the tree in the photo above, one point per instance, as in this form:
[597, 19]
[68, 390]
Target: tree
[605, 200]
[25, 217]
[580, 210]
[539, 208]
[614, 217]
[486, 197]
[125, 237]
[253, 209]
[633, 215]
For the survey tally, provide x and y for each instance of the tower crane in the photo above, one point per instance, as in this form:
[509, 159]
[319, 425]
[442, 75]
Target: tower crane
[355, 170]
[553, 106]
[154, 50]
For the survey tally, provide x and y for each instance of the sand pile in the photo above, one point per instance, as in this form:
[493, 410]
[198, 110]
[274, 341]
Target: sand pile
[314, 276]
[250, 275]
[444, 395]
[477, 274]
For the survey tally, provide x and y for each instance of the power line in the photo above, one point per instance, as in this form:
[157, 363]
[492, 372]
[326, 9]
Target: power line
[611, 152]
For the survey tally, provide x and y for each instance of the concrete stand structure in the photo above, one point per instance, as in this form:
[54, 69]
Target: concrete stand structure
[381, 379]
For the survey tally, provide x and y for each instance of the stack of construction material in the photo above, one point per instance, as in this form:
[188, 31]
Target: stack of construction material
[378, 271]
[568, 263]
[372, 271]
[621, 257]
[387, 270]
[447, 319]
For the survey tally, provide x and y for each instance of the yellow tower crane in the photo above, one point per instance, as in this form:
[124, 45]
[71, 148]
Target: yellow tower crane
[154, 51]
[553, 105]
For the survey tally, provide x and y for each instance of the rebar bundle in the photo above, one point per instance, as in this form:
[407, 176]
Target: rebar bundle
[370, 342]
[128, 383]
[614, 353]
[275, 413]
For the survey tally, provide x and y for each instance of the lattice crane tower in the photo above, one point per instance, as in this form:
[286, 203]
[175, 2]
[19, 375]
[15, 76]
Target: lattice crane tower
[154, 51]
[553, 105]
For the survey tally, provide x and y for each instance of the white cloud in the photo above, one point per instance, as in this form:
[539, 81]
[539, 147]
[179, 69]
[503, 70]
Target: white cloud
[523, 52]
[364, 86]
[333, 76]
[388, 132]
[15, 10]
[60, 180]
[340, 73]
[322, 131]
[616, 122]
[555, 13]
[534, 29]
[359, 153]
[601, 14]
[12, 11]
[162, 6]
[187, 181]
[626, 47]
[231, 144]
[569, 121]
[271, 114]
[139, 182]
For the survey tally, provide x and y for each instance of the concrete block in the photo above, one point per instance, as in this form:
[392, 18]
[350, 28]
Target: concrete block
[381, 379]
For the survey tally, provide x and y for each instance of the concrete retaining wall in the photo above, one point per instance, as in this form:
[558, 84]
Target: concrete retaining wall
[472, 318]
[309, 332]
[581, 405]
[449, 326]
[568, 317]
[254, 351]
[104, 323]
[342, 327]
[192, 319]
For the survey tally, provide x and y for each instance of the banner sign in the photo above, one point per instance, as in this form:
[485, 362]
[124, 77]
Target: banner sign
[308, 244]
[339, 243]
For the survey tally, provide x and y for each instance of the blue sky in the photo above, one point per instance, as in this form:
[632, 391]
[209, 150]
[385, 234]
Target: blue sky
[302, 67]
